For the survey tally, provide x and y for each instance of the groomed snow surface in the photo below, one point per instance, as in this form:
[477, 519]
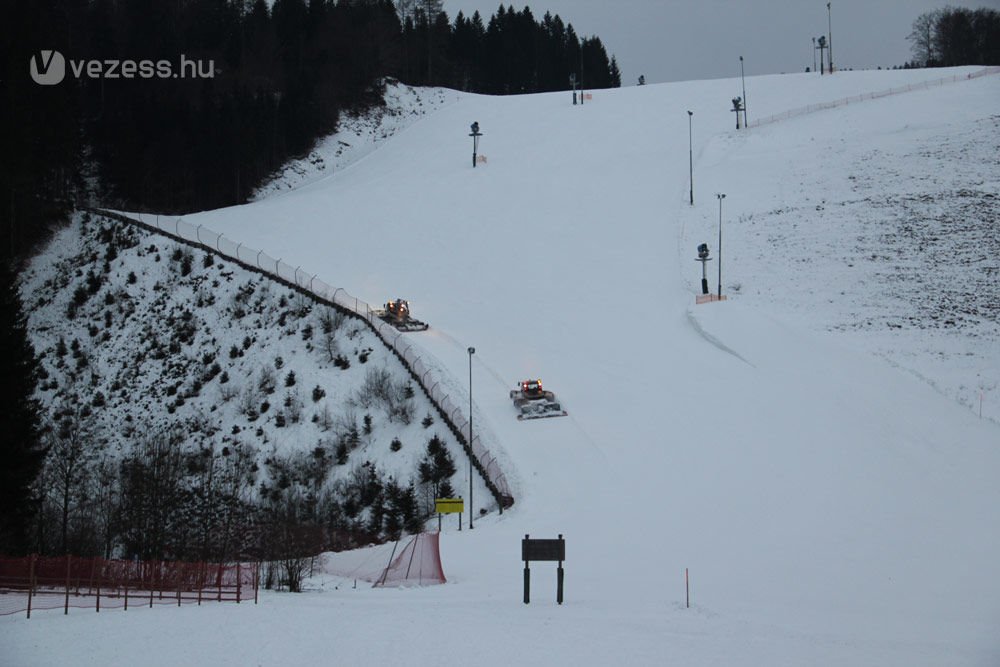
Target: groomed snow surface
[828, 482]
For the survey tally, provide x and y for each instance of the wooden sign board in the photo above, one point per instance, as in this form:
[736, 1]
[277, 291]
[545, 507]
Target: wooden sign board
[543, 549]
[449, 505]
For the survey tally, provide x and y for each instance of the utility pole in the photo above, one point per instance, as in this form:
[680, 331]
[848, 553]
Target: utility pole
[829, 29]
[743, 80]
[691, 156]
[472, 351]
[721, 197]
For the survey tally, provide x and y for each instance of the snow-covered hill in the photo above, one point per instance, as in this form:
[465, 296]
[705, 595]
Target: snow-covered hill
[831, 507]
[141, 337]
[358, 135]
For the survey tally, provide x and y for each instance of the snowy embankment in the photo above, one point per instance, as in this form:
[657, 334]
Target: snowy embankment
[144, 340]
[832, 508]
[358, 135]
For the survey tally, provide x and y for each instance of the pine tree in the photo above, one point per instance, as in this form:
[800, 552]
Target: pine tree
[21, 451]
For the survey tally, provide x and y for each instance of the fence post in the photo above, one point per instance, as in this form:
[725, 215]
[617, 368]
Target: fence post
[239, 582]
[31, 581]
[256, 580]
[66, 608]
[98, 603]
[201, 580]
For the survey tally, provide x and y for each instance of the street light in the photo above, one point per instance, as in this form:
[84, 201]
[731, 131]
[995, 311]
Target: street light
[829, 29]
[744, 93]
[691, 156]
[475, 134]
[472, 351]
[721, 197]
[814, 54]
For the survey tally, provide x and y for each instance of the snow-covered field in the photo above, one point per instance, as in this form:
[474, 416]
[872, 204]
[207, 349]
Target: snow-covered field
[810, 449]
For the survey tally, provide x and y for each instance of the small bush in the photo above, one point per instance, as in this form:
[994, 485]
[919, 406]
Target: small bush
[396, 445]
[427, 421]
[317, 393]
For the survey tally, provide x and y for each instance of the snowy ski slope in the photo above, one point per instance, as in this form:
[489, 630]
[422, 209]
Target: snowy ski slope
[832, 507]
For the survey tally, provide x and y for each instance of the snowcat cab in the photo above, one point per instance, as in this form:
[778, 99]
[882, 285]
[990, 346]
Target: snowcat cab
[397, 313]
[534, 402]
[399, 309]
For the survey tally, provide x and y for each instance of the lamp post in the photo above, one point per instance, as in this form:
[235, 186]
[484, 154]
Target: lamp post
[829, 30]
[475, 134]
[814, 54]
[743, 80]
[691, 156]
[472, 351]
[721, 197]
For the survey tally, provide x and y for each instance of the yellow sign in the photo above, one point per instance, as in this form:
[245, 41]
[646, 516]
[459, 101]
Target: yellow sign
[449, 505]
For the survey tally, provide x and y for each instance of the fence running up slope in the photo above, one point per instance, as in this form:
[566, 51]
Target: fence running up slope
[258, 260]
[854, 99]
[62, 582]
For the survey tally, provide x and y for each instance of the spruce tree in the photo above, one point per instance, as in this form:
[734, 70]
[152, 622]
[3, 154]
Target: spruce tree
[21, 452]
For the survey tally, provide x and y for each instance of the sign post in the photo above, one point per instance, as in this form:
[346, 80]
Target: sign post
[550, 550]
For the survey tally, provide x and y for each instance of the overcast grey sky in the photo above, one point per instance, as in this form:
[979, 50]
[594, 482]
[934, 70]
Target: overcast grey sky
[677, 40]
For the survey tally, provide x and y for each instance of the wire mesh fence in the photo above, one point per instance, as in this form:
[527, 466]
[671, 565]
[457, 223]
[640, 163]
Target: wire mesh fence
[38, 582]
[254, 259]
[854, 99]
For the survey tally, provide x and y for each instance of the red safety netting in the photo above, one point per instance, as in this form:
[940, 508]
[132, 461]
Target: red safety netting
[94, 583]
[417, 563]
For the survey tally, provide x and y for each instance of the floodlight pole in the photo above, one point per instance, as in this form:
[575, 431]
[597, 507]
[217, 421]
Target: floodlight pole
[691, 156]
[721, 197]
[743, 80]
[829, 29]
[472, 351]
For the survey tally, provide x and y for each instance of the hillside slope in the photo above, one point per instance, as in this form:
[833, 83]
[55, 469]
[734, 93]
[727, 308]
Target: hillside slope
[832, 508]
